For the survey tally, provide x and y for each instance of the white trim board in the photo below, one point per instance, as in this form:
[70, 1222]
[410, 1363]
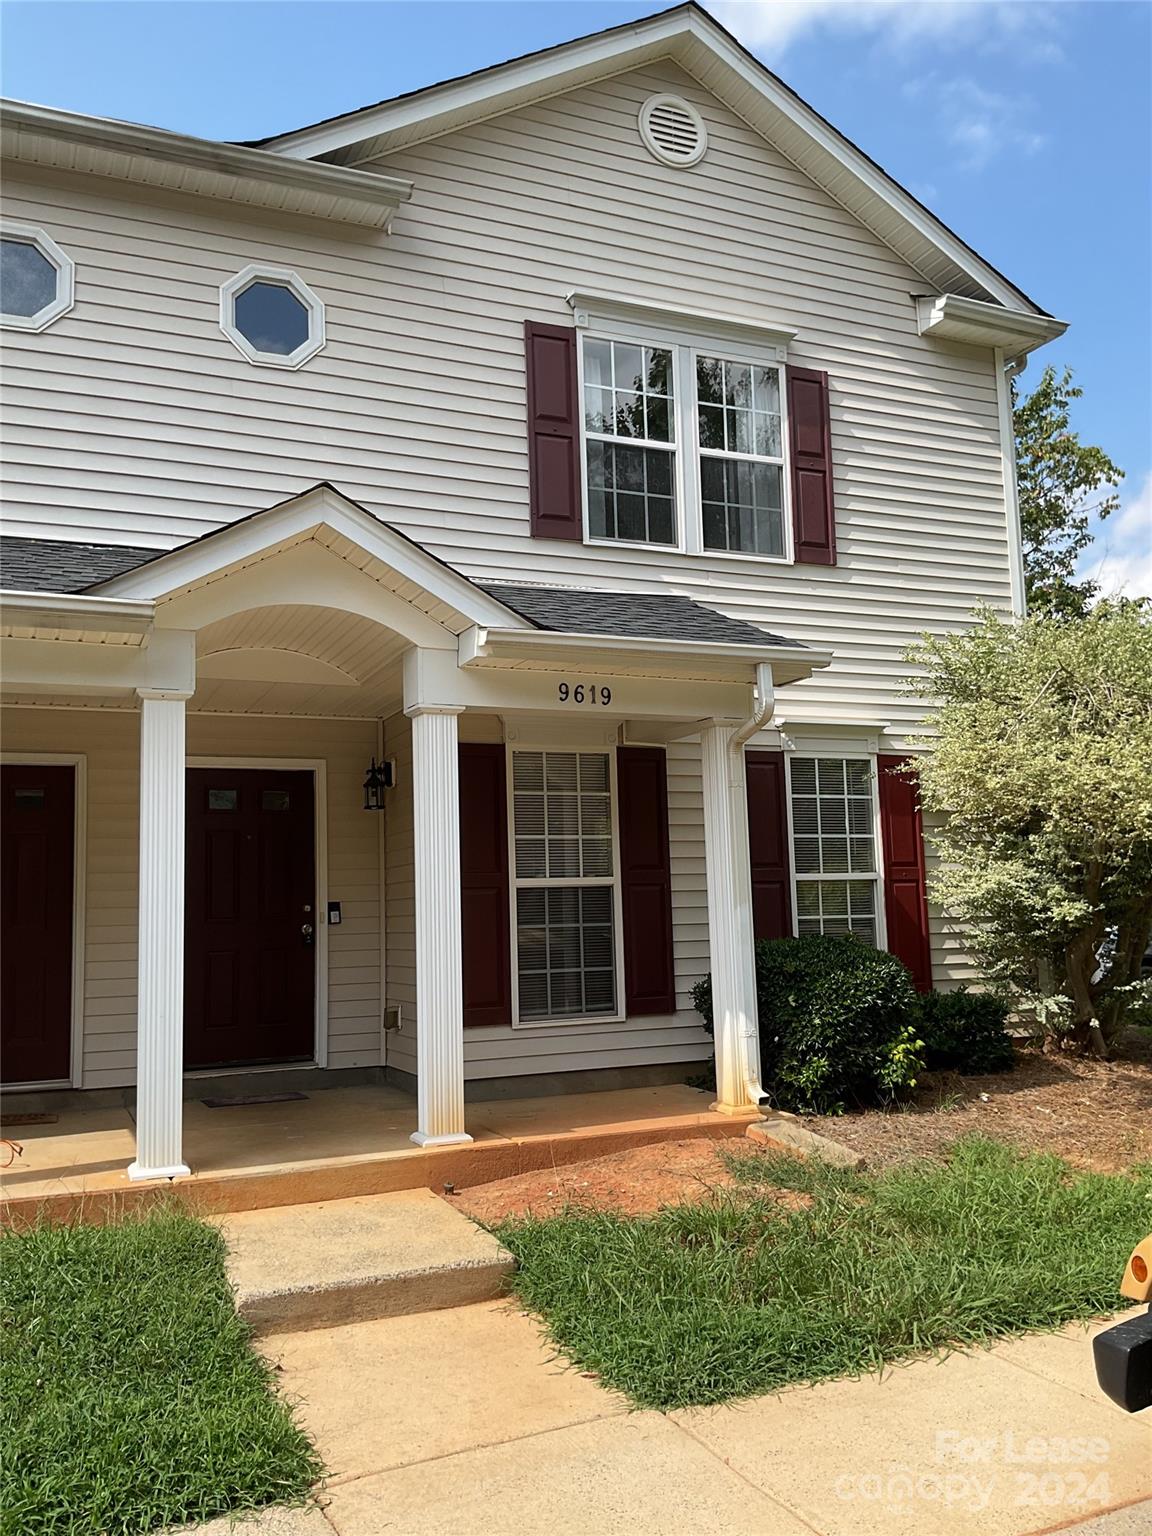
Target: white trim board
[318, 767]
[78, 761]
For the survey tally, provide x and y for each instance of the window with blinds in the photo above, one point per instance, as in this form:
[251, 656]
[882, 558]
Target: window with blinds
[834, 846]
[566, 901]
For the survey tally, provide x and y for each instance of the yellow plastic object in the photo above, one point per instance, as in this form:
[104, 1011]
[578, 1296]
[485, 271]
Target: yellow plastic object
[1137, 1281]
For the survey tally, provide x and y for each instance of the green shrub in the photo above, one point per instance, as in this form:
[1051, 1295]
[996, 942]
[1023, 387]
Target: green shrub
[838, 1023]
[966, 1032]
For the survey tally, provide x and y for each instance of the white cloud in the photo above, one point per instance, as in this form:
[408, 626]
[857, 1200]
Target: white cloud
[771, 26]
[980, 124]
[1120, 557]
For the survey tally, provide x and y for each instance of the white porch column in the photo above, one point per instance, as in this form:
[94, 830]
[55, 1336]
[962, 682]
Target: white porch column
[160, 1010]
[439, 989]
[730, 933]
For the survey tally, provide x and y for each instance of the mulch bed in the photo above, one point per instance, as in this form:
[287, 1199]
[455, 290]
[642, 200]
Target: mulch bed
[1095, 1114]
[635, 1182]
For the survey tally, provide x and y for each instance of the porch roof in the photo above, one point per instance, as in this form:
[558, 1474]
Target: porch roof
[637, 615]
[65, 567]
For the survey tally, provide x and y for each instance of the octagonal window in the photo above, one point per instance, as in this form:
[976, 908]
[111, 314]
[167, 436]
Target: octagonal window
[272, 317]
[36, 278]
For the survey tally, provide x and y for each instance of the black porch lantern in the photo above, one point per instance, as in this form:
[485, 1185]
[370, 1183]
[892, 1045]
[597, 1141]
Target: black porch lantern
[376, 781]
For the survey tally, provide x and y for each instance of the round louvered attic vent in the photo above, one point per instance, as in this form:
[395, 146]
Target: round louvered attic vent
[673, 130]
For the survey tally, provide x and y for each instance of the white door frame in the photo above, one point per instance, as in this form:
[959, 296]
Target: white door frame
[78, 761]
[318, 767]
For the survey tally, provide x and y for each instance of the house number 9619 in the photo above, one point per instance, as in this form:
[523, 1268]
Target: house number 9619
[584, 693]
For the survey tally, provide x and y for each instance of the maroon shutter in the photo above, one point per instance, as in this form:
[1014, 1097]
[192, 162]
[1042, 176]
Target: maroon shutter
[645, 880]
[553, 432]
[768, 845]
[905, 897]
[810, 435]
[484, 885]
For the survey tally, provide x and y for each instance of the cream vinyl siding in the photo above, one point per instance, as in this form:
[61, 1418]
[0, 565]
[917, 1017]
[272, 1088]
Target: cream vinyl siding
[134, 419]
[110, 741]
[951, 964]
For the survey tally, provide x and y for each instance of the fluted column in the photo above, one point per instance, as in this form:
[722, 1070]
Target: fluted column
[160, 1007]
[730, 932]
[439, 989]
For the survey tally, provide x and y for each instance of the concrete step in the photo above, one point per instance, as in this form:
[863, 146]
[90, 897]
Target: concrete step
[343, 1261]
[788, 1133]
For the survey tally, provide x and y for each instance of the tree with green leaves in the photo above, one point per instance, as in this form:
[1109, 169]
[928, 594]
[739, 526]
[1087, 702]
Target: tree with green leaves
[1061, 481]
[1041, 766]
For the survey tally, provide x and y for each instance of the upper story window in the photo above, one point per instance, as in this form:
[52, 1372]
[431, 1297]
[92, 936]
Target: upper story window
[630, 429]
[36, 278]
[684, 443]
[741, 433]
[272, 316]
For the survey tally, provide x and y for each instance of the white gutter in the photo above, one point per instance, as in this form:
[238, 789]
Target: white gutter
[762, 713]
[76, 610]
[482, 642]
[953, 317]
[204, 167]
[1007, 369]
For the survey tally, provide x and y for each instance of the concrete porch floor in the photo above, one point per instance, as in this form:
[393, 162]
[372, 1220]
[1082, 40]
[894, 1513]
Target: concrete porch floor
[337, 1142]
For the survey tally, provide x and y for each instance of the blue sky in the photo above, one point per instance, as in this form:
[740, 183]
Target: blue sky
[1025, 124]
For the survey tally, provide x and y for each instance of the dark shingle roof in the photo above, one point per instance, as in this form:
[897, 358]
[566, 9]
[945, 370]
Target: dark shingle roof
[51, 565]
[645, 615]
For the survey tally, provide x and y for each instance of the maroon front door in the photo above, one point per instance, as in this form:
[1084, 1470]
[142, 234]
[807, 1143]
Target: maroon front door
[251, 921]
[37, 821]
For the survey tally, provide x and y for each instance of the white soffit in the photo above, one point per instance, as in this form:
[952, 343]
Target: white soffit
[176, 162]
[688, 37]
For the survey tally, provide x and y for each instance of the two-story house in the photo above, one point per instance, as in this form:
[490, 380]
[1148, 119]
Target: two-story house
[458, 562]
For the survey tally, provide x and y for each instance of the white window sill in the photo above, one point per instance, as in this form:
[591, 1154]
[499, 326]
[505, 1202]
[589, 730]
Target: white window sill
[689, 554]
[582, 1020]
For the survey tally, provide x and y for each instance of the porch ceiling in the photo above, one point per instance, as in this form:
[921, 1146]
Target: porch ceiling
[296, 660]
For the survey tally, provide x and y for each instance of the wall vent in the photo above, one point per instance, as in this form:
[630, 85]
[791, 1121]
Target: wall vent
[673, 130]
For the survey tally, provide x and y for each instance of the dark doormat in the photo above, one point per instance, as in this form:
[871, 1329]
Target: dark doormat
[29, 1119]
[252, 1098]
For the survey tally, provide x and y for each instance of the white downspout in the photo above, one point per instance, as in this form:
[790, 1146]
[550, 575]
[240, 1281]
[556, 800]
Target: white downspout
[1007, 368]
[764, 708]
[765, 705]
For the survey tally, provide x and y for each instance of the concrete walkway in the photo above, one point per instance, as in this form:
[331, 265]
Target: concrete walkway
[452, 1424]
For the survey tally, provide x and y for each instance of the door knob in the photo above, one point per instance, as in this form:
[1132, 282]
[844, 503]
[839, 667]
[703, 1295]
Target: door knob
[306, 930]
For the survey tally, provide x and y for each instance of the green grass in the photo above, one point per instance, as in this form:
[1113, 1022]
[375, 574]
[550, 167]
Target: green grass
[708, 1302]
[130, 1396]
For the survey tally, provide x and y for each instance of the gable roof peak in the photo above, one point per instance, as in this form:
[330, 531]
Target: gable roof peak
[689, 36]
